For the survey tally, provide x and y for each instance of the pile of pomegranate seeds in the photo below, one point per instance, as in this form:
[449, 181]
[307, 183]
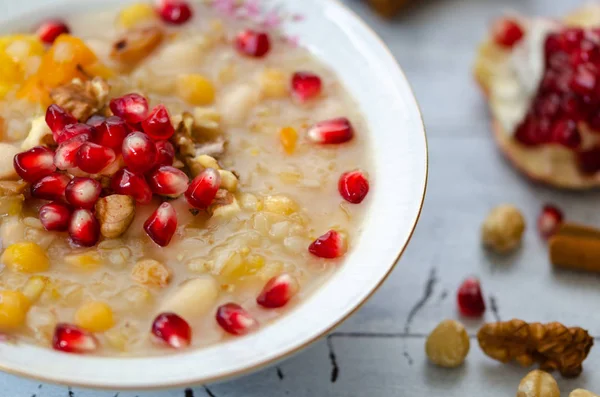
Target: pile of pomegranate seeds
[507, 32]
[470, 299]
[252, 43]
[72, 339]
[172, 329]
[50, 30]
[549, 221]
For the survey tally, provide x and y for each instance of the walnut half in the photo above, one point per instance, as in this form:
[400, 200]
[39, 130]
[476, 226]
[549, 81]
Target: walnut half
[115, 213]
[82, 98]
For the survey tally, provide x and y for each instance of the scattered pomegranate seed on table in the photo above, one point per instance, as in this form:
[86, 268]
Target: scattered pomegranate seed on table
[331, 245]
[83, 192]
[131, 184]
[234, 319]
[175, 12]
[72, 339]
[93, 158]
[55, 216]
[51, 187]
[252, 43]
[507, 32]
[110, 133]
[133, 108]
[57, 119]
[84, 229]
[162, 224]
[139, 152]
[203, 189]
[165, 153]
[470, 299]
[306, 85]
[158, 124]
[353, 186]
[35, 163]
[549, 220]
[278, 291]
[172, 329]
[167, 180]
[50, 30]
[332, 131]
[66, 154]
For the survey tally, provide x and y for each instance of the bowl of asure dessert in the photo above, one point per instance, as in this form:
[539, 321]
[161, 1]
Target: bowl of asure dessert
[192, 190]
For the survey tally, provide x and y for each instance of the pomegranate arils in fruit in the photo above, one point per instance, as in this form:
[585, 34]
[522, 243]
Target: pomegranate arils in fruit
[565, 132]
[306, 85]
[172, 329]
[139, 152]
[93, 158]
[165, 153]
[35, 163]
[72, 339]
[332, 131]
[50, 187]
[470, 299]
[57, 119]
[175, 12]
[507, 32]
[55, 216]
[133, 108]
[73, 130]
[203, 189]
[95, 120]
[162, 224]
[66, 154]
[158, 124]
[589, 160]
[331, 245]
[131, 184]
[83, 192]
[110, 133]
[48, 31]
[353, 186]
[84, 229]
[278, 291]
[549, 221]
[234, 319]
[168, 181]
[252, 43]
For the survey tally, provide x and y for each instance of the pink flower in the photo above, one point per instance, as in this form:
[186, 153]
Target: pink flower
[272, 19]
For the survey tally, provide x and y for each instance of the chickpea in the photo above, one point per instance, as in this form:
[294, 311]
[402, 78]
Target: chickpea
[503, 229]
[448, 344]
[538, 384]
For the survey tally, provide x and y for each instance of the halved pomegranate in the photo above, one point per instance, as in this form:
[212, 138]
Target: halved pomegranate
[133, 108]
[93, 158]
[158, 124]
[50, 30]
[252, 43]
[83, 192]
[306, 85]
[51, 187]
[72, 130]
[110, 133]
[66, 154]
[131, 184]
[172, 329]
[55, 216]
[168, 181]
[165, 153]
[139, 152]
[57, 119]
[162, 224]
[549, 220]
[332, 244]
[175, 12]
[72, 339]
[84, 229]
[35, 163]
[470, 299]
[331, 131]
[278, 291]
[234, 319]
[353, 186]
[507, 32]
[203, 189]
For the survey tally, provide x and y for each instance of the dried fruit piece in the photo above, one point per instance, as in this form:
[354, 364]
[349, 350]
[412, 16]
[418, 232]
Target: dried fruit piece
[252, 43]
[538, 384]
[65, 157]
[165, 153]
[55, 216]
[135, 45]
[83, 192]
[94, 316]
[84, 229]
[332, 244]
[306, 86]
[93, 158]
[175, 12]
[158, 124]
[25, 257]
[448, 344]
[57, 119]
[135, 14]
[353, 186]
[332, 131]
[13, 310]
[203, 189]
[72, 339]
[115, 213]
[470, 299]
[503, 229]
[50, 30]
[278, 291]
[195, 89]
[288, 137]
[235, 320]
[133, 108]
[172, 329]
[110, 133]
[131, 184]
[151, 273]
[168, 181]
[162, 224]
[35, 163]
[549, 220]
[51, 187]
[139, 152]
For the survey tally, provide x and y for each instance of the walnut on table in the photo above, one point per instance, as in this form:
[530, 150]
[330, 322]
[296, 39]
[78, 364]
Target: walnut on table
[553, 345]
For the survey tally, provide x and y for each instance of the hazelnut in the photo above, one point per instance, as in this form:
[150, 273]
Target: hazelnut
[538, 384]
[582, 393]
[503, 229]
[448, 344]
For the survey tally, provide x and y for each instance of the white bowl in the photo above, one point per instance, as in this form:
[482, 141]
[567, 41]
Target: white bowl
[372, 75]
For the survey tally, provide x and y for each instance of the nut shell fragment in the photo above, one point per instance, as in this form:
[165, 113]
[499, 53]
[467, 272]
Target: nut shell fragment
[115, 213]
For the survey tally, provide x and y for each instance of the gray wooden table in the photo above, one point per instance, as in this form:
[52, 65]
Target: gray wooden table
[380, 350]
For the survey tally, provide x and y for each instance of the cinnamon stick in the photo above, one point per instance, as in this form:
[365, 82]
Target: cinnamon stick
[576, 247]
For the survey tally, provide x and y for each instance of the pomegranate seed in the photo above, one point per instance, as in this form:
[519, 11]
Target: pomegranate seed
[84, 228]
[470, 299]
[252, 43]
[35, 163]
[83, 192]
[565, 132]
[93, 158]
[50, 30]
[306, 85]
[584, 79]
[51, 187]
[175, 12]
[168, 181]
[131, 184]
[172, 329]
[57, 119]
[95, 121]
[234, 319]
[72, 130]
[110, 133]
[165, 153]
[331, 131]
[55, 216]
[353, 186]
[132, 108]
[507, 32]
[66, 153]
[158, 125]
[139, 152]
[549, 221]
[71, 339]
[278, 291]
[330, 245]
[203, 189]
[162, 224]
